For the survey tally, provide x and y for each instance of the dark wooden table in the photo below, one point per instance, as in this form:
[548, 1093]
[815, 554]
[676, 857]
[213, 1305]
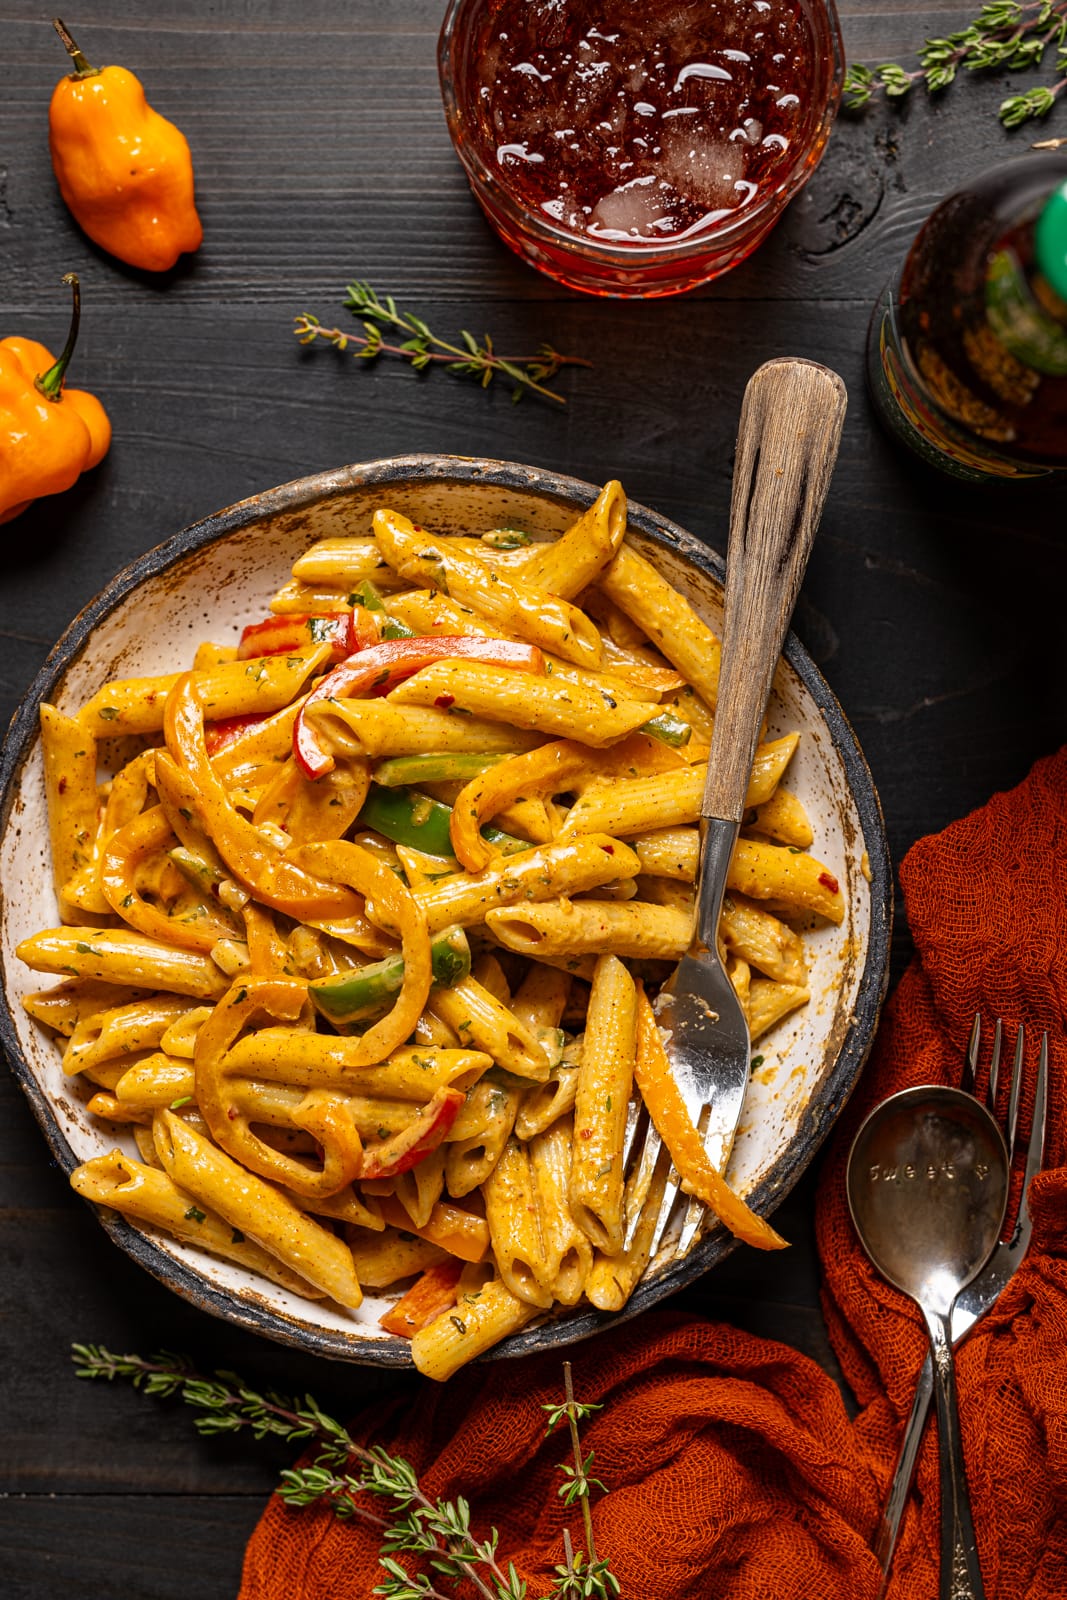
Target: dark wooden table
[322, 156]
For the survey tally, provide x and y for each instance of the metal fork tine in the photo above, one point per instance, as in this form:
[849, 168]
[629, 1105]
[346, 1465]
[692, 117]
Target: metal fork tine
[637, 1184]
[994, 1068]
[971, 1075]
[629, 1139]
[670, 1195]
[637, 1188]
[1035, 1151]
[696, 1211]
[1016, 1087]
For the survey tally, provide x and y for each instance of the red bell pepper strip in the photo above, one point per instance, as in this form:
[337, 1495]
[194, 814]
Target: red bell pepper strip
[434, 1292]
[387, 664]
[280, 636]
[217, 735]
[414, 1143]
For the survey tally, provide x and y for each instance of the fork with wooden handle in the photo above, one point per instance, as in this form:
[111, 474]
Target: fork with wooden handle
[788, 435]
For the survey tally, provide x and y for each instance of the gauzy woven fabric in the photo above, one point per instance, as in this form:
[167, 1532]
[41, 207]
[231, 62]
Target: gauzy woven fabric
[734, 1471]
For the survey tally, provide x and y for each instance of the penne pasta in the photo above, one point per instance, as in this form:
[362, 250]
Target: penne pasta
[381, 728]
[769, 872]
[605, 1078]
[784, 819]
[567, 867]
[74, 1000]
[560, 710]
[491, 1110]
[513, 1212]
[666, 617]
[768, 1002]
[568, 1254]
[69, 752]
[567, 565]
[762, 941]
[123, 957]
[233, 689]
[481, 1021]
[344, 564]
[568, 930]
[479, 1321]
[385, 1258]
[150, 1196]
[523, 611]
[669, 800]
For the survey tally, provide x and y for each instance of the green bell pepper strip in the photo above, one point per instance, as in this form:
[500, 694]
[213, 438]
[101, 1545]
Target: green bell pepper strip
[367, 595]
[669, 729]
[204, 875]
[506, 538]
[351, 996]
[413, 819]
[448, 767]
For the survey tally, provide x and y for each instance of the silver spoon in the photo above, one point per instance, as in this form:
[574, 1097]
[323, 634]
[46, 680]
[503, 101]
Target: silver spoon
[927, 1185]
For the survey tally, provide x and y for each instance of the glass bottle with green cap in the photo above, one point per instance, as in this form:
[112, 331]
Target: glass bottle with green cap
[967, 351]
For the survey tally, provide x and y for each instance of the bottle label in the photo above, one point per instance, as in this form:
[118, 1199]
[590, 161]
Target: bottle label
[1018, 319]
[924, 427]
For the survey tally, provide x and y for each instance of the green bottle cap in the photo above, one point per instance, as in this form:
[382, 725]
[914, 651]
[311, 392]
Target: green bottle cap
[1050, 241]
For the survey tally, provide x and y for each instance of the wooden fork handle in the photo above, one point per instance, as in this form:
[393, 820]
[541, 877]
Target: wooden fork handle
[787, 439]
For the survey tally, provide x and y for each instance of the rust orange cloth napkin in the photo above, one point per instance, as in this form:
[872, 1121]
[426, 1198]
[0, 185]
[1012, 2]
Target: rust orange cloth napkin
[733, 1468]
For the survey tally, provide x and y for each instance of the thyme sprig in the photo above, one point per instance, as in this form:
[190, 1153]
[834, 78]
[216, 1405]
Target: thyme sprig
[579, 1578]
[343, 1473]
[1006, 35]
[422, 346]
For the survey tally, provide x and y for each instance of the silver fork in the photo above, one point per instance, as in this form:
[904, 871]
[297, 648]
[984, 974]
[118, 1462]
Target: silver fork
[787, 440]
[978, 1297]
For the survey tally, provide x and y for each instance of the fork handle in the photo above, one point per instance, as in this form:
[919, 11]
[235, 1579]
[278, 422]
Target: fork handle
[787, 439]
[961, 1573]
[885, 1538]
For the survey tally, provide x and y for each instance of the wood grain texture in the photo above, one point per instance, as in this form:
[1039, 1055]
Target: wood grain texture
[792, 413]
[321, 154]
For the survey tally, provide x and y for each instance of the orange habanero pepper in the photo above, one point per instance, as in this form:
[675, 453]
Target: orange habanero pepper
[124, 171]
[49, 435]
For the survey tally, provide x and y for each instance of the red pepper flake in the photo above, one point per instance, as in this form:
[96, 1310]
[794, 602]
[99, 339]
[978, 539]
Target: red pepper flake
[828, 881]
[585, 1133]
[62, 785]
[608, 849]
[445, 700]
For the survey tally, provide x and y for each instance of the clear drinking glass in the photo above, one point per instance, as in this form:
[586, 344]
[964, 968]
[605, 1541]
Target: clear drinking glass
[636, 264]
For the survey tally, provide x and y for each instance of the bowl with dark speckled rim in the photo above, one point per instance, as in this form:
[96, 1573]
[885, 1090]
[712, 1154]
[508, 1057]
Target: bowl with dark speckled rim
[212, 578]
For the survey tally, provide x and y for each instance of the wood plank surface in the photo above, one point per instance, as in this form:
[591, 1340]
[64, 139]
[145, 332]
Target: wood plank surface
[322, 156]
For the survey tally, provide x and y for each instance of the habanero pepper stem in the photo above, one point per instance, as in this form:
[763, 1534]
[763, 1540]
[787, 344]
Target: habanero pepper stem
[383, 665]
[82, 68]
[51, 382]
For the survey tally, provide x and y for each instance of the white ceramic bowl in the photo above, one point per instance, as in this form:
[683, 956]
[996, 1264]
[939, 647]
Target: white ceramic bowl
[215, 576]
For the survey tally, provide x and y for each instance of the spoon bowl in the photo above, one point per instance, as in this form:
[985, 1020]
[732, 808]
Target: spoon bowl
[927, 1186]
